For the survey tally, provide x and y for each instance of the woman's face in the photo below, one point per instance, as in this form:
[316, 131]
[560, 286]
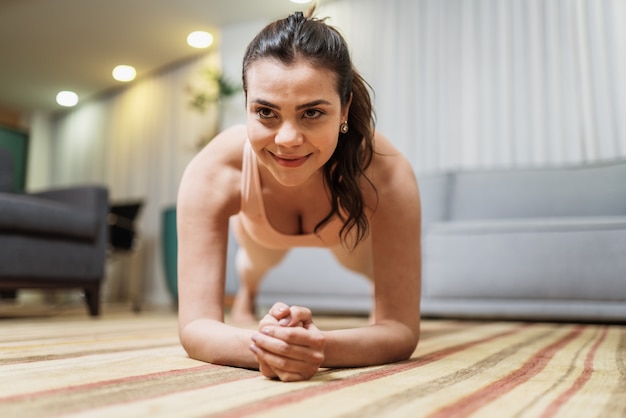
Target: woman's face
[294, 115]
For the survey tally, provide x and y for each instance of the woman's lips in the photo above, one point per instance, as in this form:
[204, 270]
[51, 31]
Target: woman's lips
[290, 161]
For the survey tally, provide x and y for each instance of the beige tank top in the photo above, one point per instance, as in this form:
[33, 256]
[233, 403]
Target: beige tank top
[254, 219]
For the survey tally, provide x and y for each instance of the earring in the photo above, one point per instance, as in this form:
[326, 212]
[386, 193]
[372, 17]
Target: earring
[344, 127]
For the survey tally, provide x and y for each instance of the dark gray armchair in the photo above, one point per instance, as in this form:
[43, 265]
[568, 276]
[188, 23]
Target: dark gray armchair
[55, 239]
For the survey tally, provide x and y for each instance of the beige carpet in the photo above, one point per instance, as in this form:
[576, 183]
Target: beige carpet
[125, 365]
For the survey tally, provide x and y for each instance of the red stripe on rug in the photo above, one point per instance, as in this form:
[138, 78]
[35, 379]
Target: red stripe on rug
[471, 403]
[105, 383]
[580, 382]
[306, 393]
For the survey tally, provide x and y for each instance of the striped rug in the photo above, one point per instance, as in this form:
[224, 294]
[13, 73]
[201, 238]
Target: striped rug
[125, 365]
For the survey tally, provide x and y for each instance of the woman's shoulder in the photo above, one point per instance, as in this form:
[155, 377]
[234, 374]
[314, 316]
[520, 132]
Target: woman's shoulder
[217, 167]
[388, 162]
[227, 146]
[223, 152]
[392, 175]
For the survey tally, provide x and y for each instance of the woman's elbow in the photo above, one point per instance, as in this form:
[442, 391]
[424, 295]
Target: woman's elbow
[188, 342]
[408, 344]
[193, 344]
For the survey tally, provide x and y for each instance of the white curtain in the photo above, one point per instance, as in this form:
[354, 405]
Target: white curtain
[138, 142]
[493, 83]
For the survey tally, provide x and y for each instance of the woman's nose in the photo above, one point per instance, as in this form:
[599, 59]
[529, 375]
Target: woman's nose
[288, 135]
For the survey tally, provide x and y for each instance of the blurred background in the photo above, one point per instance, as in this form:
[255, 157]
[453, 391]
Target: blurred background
[458, 84]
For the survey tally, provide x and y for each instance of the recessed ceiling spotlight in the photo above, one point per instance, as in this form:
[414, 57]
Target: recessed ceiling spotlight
[124, 73]
[67, 98]
[200, 39]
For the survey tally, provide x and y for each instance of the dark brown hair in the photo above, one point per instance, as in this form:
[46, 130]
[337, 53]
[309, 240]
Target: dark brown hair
[303, 37]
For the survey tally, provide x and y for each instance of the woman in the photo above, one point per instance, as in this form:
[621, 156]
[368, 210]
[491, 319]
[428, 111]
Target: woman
[307, 169]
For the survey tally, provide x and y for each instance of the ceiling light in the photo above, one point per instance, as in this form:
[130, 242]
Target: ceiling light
[124, 73]
[67, 98]
[200, 39]
[301, 1]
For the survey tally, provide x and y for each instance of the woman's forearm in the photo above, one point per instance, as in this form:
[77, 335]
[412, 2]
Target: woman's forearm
[215, 342]
[371, 345]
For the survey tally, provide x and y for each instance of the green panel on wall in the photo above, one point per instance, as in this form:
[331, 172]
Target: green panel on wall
[16, 143]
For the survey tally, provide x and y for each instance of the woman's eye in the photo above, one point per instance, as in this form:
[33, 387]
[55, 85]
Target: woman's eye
[312, 113]
[265, 113]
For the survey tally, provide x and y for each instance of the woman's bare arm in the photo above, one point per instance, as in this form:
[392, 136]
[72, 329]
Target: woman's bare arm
[396, 250]
[209, 195]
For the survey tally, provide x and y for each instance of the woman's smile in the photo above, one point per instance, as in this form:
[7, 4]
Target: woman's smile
[290, 161]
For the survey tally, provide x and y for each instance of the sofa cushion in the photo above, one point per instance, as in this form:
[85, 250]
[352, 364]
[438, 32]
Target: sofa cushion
[36, 216]
[587, 190]
[49, 260]
[560, 259]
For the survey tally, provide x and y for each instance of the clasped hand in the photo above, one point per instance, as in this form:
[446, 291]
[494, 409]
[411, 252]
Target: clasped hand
[288, 345]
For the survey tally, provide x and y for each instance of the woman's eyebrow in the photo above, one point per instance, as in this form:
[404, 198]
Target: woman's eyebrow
[266, 103]
[313, 104]
[299, 107]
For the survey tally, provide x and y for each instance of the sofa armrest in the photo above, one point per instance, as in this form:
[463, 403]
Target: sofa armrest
[90, 198]
[76, 213]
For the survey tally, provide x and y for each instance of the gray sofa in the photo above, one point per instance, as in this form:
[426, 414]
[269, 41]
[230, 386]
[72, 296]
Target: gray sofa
[55, 239]
[544, 244]
[524, 244]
